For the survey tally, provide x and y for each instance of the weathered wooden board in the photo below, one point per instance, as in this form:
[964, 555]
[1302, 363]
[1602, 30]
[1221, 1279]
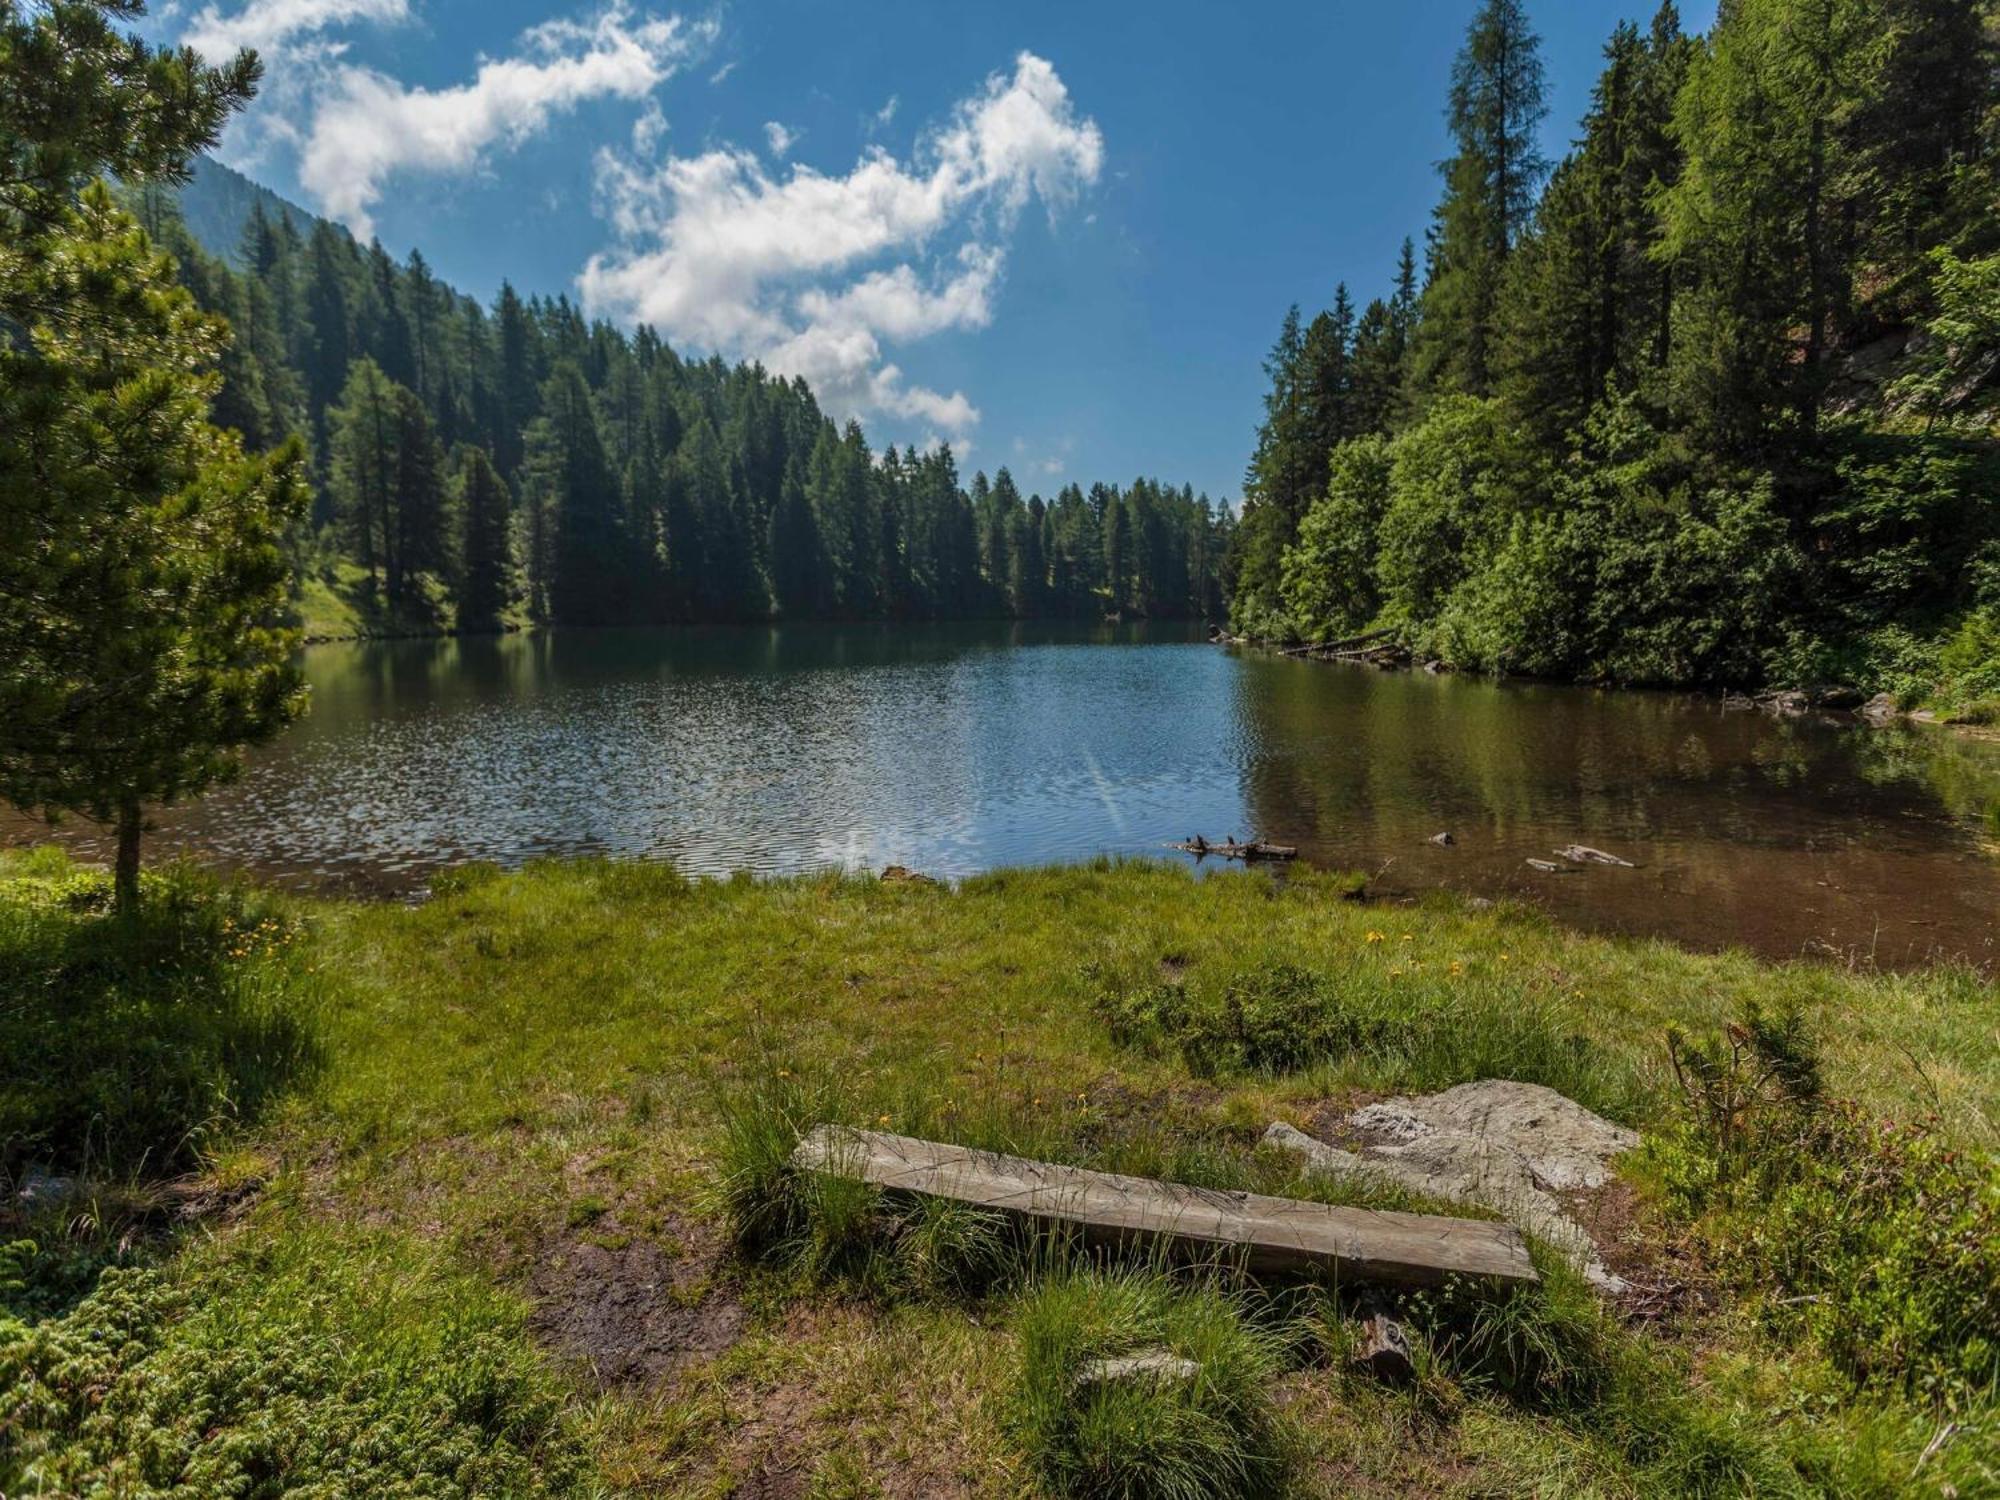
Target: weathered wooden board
[1268, 1234]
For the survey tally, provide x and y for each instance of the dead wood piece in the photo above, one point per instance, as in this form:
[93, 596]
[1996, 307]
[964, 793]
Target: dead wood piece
[1384, 1350]
[1550, 867]
[1583, 854]
[1265, 1235]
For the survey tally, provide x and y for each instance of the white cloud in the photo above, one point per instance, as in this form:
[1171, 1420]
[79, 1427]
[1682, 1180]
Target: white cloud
[887, 112]
[716, 251]
[267, 24]
[779, 139]
[367, 126]
[723, 72]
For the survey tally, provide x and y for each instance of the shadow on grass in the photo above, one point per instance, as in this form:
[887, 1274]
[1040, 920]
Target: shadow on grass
[126, 1043]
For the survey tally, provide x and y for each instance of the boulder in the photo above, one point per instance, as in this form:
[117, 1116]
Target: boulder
[1880, 709]
[1502, 1145]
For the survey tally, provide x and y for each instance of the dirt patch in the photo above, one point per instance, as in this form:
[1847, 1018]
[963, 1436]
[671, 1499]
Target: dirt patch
[633, 1308]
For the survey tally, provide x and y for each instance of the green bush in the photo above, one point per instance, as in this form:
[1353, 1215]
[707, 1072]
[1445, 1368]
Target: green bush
[1883, 1247]
[1146, 1438]
[322, 1374]
[1877, 1242]
[126, 1042]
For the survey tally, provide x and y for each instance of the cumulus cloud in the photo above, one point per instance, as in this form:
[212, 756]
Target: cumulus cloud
[778, 138]
[716, 251]
[268, 24]
[366, 126]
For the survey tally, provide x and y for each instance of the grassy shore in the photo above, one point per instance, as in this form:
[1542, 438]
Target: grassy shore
[478, 1195]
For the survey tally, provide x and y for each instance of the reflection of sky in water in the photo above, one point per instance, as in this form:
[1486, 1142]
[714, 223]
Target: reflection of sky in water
[953, 765]
[955, 749]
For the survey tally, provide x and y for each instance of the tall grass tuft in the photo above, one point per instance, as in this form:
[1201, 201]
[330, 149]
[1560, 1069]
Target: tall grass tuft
[129, 1042]
[1407, 1030]
[1215, 1434]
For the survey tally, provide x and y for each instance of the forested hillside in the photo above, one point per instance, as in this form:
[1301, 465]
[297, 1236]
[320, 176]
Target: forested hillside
[474, 466]
[1712, 399]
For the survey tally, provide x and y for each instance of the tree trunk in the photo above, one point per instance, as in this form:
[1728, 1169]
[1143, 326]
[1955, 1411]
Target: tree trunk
[125, 885]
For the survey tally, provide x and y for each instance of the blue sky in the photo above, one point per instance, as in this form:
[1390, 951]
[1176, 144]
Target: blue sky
[1059, 235]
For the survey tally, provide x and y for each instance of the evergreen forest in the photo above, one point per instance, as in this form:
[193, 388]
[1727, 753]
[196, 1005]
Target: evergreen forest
[474, 466]
[1712, 399]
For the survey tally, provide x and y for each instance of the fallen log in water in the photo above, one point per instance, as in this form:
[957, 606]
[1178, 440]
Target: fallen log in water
[1201, 848]
[1266, 1235]
[1583, 854]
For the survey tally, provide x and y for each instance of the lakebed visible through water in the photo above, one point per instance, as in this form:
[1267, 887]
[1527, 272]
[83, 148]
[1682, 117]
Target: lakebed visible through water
[955, 749]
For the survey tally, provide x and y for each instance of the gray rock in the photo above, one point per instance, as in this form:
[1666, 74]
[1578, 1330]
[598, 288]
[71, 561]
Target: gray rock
[39, 1189]
[1443, 840]
[1149, 1364]
[1503, 1145]
[1880, 709]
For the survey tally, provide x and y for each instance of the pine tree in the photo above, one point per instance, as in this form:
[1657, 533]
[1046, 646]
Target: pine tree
[573, 485]
[362, 442]
[798, 563]
[141, 572]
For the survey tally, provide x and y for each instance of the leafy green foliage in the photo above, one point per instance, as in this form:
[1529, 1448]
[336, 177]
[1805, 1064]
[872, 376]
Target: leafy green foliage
[1876, 1243]
[1715, 407]
[318, 1369]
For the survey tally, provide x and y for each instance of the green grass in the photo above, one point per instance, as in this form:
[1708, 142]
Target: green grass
[536, 1084]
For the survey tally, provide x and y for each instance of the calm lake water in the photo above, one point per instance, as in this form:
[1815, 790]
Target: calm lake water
[955, 749]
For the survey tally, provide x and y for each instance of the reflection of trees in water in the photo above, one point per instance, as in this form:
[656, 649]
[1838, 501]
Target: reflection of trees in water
[1401, 751]
[1962, 771]
[1735, 815]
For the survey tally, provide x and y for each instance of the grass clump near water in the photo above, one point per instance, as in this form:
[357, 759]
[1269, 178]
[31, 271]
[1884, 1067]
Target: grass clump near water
[1418, 1030]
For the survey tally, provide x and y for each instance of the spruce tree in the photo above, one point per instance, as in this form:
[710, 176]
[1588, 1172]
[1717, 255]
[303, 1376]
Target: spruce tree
[1491, 181]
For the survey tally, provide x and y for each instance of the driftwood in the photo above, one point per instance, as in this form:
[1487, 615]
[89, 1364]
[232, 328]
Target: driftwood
[1201, 848]
[1384, 1351]
[1284, 1236]
[1550, 867]
[1367, 639]
[1583, 854]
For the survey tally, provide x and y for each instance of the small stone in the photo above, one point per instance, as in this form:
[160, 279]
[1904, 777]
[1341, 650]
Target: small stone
[38, 1188]
[1148, 1364]
[1443, 840]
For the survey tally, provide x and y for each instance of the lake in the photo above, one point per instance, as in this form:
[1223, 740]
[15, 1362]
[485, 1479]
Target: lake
[953, 749]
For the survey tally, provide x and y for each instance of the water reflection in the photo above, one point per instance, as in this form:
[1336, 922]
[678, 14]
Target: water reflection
[953, 749]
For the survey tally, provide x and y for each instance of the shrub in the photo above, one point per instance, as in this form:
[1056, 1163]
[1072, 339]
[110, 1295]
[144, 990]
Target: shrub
[1214, 1434]
[317, 1375]
[1878, 1242]
[127, 1041]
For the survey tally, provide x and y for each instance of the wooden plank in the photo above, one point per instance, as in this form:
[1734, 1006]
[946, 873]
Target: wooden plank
[1270, 1235]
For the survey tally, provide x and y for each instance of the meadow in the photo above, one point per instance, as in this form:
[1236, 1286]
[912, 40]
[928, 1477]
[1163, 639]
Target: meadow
[490, 1193]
